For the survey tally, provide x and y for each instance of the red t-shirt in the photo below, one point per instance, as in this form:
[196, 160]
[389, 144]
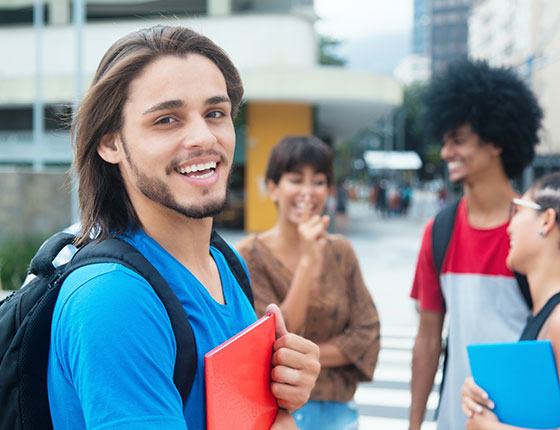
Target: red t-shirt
[470, 251]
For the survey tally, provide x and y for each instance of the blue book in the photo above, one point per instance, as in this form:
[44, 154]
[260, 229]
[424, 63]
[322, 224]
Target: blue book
[521, 379]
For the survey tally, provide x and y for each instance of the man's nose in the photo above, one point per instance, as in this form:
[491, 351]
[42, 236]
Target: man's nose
[198, 133]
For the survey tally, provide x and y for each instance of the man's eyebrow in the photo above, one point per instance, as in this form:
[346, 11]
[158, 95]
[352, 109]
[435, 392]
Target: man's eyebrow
[217, 100]
[168, 104]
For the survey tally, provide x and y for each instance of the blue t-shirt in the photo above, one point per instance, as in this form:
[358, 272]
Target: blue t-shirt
[113, 350]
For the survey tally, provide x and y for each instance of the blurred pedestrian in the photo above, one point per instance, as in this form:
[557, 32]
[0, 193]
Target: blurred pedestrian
[488, 120]
[315, 279]
[535, 252]
[341, 214]
[382, 197]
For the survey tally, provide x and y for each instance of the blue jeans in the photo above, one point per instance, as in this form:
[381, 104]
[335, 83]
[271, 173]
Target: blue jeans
[323, 415]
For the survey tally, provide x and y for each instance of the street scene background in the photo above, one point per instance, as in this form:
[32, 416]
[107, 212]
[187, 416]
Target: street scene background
[350, 72]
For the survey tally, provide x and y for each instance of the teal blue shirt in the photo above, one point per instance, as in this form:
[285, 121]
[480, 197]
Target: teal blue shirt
[113, 351]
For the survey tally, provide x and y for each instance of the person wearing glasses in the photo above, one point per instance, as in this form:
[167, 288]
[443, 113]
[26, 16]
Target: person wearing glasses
[488, 120]
[535, 252]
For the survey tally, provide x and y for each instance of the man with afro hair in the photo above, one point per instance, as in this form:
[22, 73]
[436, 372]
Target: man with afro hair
[488, 121]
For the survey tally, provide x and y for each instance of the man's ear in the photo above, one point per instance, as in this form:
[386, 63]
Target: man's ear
[496, 150]
[110, 148]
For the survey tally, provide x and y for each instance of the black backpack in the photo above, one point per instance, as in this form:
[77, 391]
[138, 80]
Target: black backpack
[25, 324]
[442, 229]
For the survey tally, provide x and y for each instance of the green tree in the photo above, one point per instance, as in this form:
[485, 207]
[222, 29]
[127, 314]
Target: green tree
[327, 54]
[415, 137]
[15, 255]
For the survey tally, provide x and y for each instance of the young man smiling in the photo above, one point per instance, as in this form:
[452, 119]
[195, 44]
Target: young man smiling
[154, 144]
[488, 120]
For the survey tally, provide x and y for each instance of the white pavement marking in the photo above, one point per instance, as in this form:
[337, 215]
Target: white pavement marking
[371, 423]
[384, 404]
[390, 397]
[397, 342]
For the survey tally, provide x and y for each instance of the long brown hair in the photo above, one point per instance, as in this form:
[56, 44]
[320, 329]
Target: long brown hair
[106, 209]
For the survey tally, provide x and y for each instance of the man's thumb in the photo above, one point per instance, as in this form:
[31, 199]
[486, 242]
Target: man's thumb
[280, 325]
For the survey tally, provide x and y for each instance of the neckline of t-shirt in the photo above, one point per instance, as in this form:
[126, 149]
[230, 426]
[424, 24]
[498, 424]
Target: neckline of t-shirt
[462, 211]
[214, 252]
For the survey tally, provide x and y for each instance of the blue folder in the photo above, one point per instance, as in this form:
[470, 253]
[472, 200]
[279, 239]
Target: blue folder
[521, 379]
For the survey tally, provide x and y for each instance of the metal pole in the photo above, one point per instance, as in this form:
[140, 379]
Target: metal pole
[38, 108]
[78, 17]
[401, 117]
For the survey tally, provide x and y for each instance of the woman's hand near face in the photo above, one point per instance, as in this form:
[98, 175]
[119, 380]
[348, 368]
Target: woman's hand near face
[312, 231]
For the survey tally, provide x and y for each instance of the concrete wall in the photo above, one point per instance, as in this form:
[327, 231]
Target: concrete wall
[33, 203]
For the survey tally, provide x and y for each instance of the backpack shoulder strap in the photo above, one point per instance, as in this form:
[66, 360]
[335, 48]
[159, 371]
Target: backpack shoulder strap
[535, 323]
[442, 229]
[524, 289]
[42, 263]
[121, 252]
[234, 264]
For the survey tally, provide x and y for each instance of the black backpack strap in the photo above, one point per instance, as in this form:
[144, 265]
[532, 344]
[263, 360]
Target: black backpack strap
[234, 264]
[524, 289]
[41, 263]
[119, 251]
[535, 323]
[442, 229]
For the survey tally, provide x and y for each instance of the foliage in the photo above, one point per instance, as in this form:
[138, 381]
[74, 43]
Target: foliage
[327, 56]
[415, 137]
[15, 255]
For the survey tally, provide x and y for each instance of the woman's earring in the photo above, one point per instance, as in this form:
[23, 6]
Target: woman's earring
[541, 234]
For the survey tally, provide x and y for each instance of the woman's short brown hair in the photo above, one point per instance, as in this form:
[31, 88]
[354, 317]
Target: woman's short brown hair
[295, 152]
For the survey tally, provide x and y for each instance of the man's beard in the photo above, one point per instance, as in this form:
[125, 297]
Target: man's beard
[158, 191]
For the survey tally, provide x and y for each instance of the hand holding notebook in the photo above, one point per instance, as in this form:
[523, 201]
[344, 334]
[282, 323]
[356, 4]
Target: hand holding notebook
[522, 381]
[238, 375]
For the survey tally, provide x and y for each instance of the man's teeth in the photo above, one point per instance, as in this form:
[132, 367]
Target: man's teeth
[198, 168]
[202, 176]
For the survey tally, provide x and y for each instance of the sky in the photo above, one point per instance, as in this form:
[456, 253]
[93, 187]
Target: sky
[375, 34]
[350, 20]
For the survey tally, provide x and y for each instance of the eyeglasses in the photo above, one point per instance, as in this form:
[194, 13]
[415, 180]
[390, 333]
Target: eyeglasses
[525, 203]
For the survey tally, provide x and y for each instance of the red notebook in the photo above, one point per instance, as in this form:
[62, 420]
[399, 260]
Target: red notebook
[237, 374]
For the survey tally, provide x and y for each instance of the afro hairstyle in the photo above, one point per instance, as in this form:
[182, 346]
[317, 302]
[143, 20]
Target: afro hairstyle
[495, 102]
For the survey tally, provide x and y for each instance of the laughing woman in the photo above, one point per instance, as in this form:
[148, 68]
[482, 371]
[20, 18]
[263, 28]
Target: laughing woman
[316, 280]
[534, 251]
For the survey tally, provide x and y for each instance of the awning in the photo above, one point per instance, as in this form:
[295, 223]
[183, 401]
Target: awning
[392, 160]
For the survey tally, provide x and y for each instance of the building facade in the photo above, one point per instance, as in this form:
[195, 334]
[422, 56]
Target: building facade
[449, 32]
[524, 35]
[45, 67]
[421, 28]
